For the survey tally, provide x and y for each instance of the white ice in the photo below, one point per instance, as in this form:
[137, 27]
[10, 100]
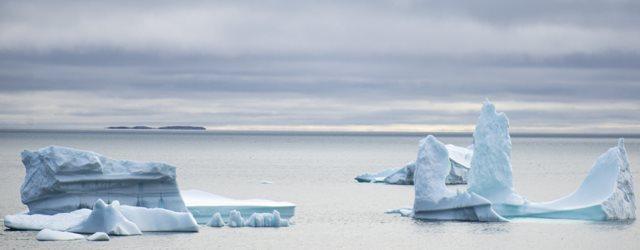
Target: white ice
[203, 205]
[605, 194]
[54, 235]
[460, 162]
[266, 220]
[59, 222]
[216, 221]
[146, 219]
[491, 174]
[433, 200]
[108, 219]
[235, 219]
[98, 236]
[159, 220]
[61, 179]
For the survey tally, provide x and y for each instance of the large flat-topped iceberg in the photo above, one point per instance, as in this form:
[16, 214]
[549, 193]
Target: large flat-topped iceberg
[61, 179]
[203, 205]
[459, 158]
[433, 200]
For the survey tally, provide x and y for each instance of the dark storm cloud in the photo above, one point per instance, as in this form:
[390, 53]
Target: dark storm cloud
[311, 63]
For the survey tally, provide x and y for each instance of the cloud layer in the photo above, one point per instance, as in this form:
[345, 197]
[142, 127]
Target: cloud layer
[560, 66]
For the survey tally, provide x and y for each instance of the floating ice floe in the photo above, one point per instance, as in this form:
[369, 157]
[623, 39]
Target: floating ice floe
[459, 158]
[605, 194]
[54, 235]
[203, 205]
[61, 180]
[59, 222]
[145, 219]
[433, 200]
[98, 236]
[108, 219]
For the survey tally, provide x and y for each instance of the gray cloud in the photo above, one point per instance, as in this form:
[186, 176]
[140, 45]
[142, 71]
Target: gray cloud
[398, 65]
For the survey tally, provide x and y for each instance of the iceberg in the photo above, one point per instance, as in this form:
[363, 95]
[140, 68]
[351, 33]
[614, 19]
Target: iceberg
[53, 235]
[61, 180]
[460, 163]
[203, 205]
[491, 172]
[99, 236]
[108, 219]
[433, 200]
[605, 194]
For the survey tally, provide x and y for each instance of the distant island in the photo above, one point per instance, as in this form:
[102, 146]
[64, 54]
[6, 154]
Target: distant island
[183, 127]
[165, 127]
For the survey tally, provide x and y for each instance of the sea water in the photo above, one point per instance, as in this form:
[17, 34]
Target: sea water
[316, 171]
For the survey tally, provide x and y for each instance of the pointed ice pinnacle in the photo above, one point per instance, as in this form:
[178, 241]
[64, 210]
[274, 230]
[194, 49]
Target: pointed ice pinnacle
[108, 219]
[433, 200]
[491, 173]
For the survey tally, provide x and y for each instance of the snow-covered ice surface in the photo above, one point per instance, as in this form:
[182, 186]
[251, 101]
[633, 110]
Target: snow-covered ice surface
[433, 201]
[146, 219]
[98, 236]
[203, 205]
[159, 220]
[460, 163]
[54, 235]
[108, 219]
[61, 179]
[59, 222]
[605, 194]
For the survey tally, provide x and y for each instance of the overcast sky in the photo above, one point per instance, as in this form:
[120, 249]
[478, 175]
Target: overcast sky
[552, 66]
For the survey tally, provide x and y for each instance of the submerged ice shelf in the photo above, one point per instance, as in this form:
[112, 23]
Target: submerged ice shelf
[605, 194]
[203, 205]
[61, 179]
[459, 159]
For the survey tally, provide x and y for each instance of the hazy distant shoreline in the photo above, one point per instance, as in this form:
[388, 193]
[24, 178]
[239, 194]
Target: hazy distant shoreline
[322, 133]
[165, 127]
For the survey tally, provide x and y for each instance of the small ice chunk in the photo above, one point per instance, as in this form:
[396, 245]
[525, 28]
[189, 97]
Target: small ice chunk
[216, 221]
[108, 219]
[98, 236]
[54, 235]
[404, 212]
[266, 182]
[266, 220]
[235, 219]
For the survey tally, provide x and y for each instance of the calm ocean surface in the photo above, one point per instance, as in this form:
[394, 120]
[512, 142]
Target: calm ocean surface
[316, 172]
